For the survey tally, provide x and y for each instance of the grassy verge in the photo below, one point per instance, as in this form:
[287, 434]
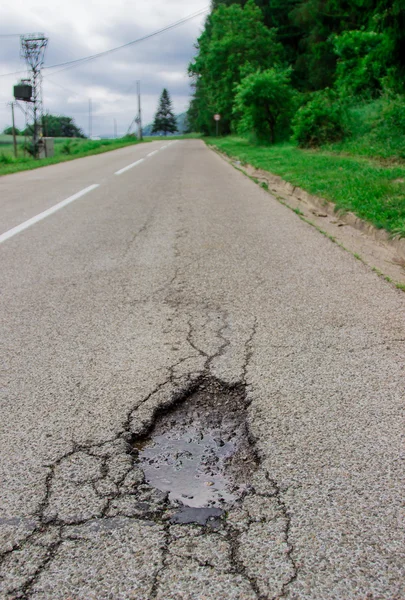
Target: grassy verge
[65, 149]
[372, 191]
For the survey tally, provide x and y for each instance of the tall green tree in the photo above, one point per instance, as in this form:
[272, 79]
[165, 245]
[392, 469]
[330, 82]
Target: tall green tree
[9, 131]
[263, 99]
[355, 47]
[60, 126]
[57, 126]
[165, 120]
[306, 29]
[363, 63]
[276, 14]
[235, 41]
[389, 19]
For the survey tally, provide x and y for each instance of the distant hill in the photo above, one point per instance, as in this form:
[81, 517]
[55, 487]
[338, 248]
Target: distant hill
[181, 125]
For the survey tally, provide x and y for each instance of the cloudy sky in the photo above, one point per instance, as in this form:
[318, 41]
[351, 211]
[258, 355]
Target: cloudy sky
[78, 28]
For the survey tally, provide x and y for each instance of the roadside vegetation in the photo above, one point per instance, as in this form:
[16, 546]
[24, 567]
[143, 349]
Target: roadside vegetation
[373, 191]
[68, 149]
[313, 91]
[65, 149]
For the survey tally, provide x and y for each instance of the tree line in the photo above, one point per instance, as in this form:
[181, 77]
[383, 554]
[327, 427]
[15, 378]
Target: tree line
[269, 65]
[52, 126]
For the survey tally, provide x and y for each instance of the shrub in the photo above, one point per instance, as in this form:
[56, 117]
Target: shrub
[321, 120]
[363, 62]
[264, 100]
[29, 148]
[392, 117]
[6, 159]
[67, 147]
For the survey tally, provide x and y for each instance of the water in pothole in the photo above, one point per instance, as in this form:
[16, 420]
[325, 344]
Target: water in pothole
[199, 451]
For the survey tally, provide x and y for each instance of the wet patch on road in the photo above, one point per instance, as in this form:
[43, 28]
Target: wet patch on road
[199, 452]
[189, 488]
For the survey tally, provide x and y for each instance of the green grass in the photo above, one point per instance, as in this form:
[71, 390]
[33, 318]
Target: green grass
[8, 139]
[371, 190]
[65, 149]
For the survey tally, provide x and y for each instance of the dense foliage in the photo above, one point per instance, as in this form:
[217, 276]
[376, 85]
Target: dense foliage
[9, 131]
[60, 126]
[262, 100]
[353, 48]
[165, 121]
[323, 119]
[57, 126]
[234, 43]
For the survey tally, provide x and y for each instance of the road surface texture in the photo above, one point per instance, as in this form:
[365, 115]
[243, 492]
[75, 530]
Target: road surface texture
[177, 271]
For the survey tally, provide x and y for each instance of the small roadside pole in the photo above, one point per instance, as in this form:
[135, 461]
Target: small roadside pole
[90, 120]
[217, 119]
[14, 136]
[139, 117]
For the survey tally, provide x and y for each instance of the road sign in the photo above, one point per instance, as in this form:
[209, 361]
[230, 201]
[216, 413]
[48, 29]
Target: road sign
[217, 117]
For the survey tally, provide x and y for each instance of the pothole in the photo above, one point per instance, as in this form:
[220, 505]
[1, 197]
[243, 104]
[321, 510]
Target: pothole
[199, 452]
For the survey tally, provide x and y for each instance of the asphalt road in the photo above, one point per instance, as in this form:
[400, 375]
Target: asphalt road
[175, 268]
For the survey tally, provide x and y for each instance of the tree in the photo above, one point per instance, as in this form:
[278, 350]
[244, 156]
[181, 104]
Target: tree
[9, 131]
[263, 99]
[363, 63]
[356, 47]
[58, 126]
[235, 38]
[165, 121]
[276, 14]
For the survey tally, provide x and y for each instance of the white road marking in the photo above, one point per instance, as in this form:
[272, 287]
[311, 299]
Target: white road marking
[11, 232]
[142, 159]
[129, 167]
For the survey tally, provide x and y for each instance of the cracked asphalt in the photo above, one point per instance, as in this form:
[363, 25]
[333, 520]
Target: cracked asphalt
[124, 301]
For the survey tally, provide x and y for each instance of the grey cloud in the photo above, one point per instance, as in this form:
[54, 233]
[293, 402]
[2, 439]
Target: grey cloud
[159, 62]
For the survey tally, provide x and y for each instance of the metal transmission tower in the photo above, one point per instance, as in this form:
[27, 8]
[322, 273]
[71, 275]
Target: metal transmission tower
[33, 48]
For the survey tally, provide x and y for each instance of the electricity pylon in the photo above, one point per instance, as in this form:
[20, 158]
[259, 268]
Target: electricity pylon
[33, 48]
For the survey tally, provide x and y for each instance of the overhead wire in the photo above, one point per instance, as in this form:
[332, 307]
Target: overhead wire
[73, 63]
[65, 88]
[137, 41]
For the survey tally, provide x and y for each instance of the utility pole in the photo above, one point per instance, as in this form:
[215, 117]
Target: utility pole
[90, 119]
[33, 48]
[115, 128]
[14, 136]
[139, 118]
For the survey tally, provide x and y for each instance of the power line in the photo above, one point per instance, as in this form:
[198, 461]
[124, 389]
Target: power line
[142, 39]
[73, 63]
[64, 88]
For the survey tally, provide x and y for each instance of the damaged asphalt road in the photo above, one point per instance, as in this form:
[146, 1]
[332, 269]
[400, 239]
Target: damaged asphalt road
[177, 280]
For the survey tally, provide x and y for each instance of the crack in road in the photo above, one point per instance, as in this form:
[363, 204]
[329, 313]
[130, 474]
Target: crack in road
[115, 500]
